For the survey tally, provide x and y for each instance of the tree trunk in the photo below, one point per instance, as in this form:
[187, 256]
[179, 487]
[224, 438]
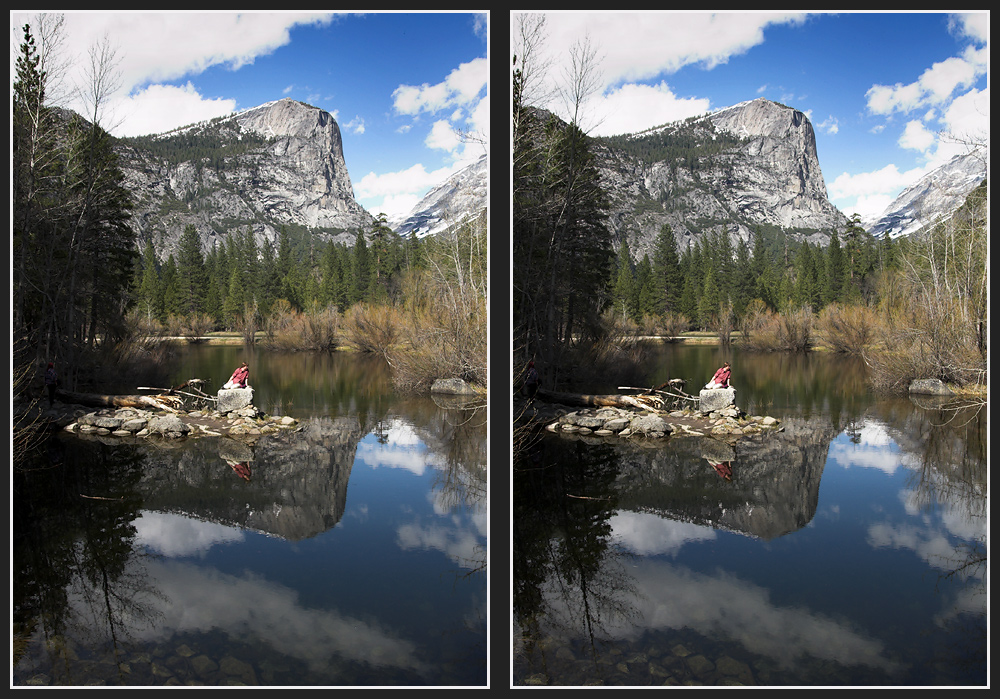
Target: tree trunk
[612, 400]
[101, 400]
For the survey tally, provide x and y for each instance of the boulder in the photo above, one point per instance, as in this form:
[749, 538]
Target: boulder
[455, 387]
[649, 425]
[930, 387]
[713, 399]
[231, 399]
[168, 426]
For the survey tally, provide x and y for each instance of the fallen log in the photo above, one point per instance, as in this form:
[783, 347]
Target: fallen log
[612, 400]
[102, 400]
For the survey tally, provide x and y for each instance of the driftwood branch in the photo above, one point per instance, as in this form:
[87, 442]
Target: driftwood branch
[172, 391]
[673, 383]
[193, 384]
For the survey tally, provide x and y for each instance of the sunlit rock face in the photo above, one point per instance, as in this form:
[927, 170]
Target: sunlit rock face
[278, 164]
[743, 166]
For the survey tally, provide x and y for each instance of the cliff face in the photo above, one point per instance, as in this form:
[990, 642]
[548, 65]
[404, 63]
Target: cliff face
[278, 164]
[744, 166]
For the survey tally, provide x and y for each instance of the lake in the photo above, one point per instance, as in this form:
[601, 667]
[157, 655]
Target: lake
[849, 549]
[350, 552]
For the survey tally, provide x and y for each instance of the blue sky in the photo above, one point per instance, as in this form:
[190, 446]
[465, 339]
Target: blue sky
[881, 89]
[402, 86]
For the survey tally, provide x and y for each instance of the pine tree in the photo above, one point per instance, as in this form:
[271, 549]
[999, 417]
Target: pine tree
[647, 294]
[836, 270]
[743, 279]
[667, 271]
[172, 302]
[806, 289]
[361, 271]
[624, 294]
[270, 283]
[191, 277]
[213, 291]
[236, 294]
[149, 298]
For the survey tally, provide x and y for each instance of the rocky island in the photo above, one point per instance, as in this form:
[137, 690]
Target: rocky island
[646, 416]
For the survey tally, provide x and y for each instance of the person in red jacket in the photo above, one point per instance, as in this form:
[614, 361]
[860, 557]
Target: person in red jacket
[721, 378]
[239, 377]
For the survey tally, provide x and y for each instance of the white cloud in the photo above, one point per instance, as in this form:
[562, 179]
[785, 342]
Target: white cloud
[462, 86]
[937, 84]
[396, 193]
[160, 108]
[652, 535]
[870, 193]
[631, 108]
[355, 125]
[916, 136]
[443, 136]
[975, 25]
[830, 125]
[638, 46]
[166, 46]
[642, 46]
[968, 116]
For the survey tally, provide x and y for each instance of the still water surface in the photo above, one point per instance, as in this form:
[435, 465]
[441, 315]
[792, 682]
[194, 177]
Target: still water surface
[351, 552]
[850, 549]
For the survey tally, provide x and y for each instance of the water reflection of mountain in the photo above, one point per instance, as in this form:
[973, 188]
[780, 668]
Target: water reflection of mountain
[297, 485]
[772, 490]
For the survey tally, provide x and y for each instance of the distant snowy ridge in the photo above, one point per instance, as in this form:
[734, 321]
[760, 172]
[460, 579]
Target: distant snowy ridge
[934, 197]
[462, 195]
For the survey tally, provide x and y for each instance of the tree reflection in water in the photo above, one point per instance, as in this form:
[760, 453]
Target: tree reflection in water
[564, 557]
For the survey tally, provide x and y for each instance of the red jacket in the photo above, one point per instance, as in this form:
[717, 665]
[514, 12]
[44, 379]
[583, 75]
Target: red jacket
[240, 376]
[722, 376]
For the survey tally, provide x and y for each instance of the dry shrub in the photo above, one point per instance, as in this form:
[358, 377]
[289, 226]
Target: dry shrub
[674, 324]
[445, 313]
[847, 329]
[318, 329]
[138, 358]
[443, 343]
[615, 353]
[198, 325]
[144, 323]
[924, 341]
[175, 325]
[723, 323]
[763, 330]
[373, 329]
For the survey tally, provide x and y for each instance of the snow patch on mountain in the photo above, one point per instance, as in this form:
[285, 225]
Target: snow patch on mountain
[462, 195]
[934, 197]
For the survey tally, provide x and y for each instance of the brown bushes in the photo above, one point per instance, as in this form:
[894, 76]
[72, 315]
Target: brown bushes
[443, 342]
[373, 329]
[847, 329]
[315, 330]
[763, 330]
[922, 340]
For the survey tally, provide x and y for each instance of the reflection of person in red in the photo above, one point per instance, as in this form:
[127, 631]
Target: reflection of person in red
[242, 470]
[723, 468]
[721, 378]
[239, 377]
